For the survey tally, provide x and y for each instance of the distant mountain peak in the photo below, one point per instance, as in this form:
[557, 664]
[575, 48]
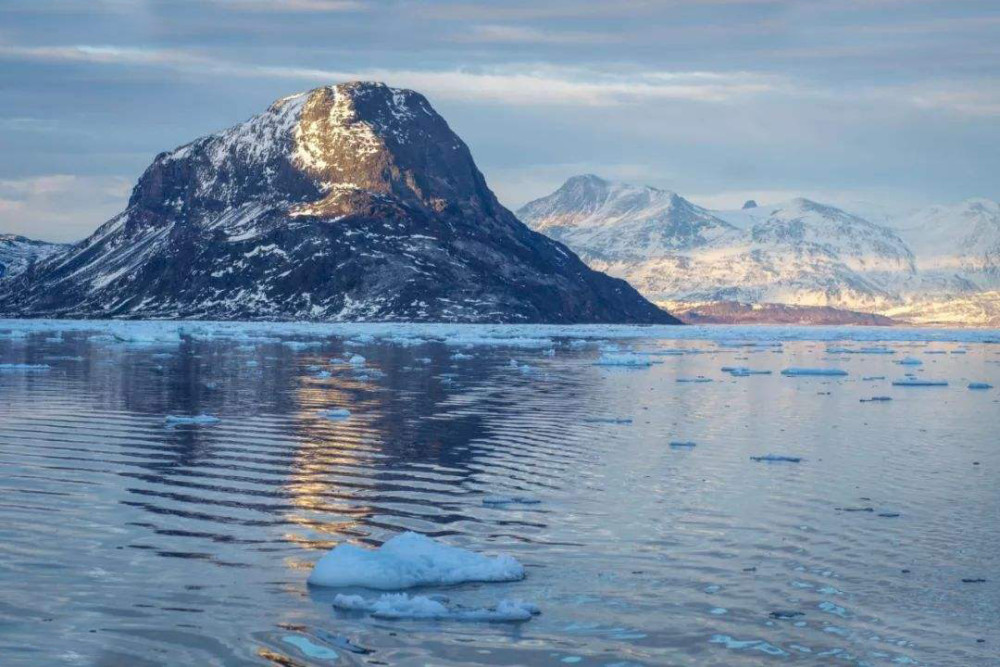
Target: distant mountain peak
[748, 204]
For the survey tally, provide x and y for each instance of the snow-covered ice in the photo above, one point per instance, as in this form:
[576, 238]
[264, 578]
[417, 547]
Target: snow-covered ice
[408, 560]
[398, 606]
[826, 372]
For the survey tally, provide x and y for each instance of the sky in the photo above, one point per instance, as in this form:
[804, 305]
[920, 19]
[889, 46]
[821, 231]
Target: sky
[884, 105]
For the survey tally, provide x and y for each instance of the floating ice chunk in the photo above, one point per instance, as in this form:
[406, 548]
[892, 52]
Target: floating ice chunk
[197, 420]
[322, 375]
[408, 560]
[742, 371]
[915, 382]
[876, 399]
[677, 444]
[776, 458]
[695, 380]
[356, 360]
[300, 345]
[399, 606]
[980, 385]
[826, 372]
[751, 644]
[510, 500]
[459, 356]
[627, 359]
[24, 368]
[873, 377]
[335, 414]
[309, 648]
[910, 361]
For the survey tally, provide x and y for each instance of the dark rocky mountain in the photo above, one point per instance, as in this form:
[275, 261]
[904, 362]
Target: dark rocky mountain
[750, 203]
[348, 202]
[17, 253]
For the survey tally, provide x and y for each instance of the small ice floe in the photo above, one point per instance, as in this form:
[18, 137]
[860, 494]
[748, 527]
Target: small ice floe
[782, 614]
[748, 644]
[408, 560]
[876, 399]
[196, 420]
[310, 649]
[398, 606]
[776, 458]
[524, 368]
[356, 360]
[24, 368]
[322, 375]
[335, 414]
[742, 371]
[825, 372]
[910, 361]
[460, 356]
[980, 385]
[869, 378]
[607, 420]
[298, 346]
[510, 500]
[625, 359]
[696, 380]
[916, 382]
[683, 444]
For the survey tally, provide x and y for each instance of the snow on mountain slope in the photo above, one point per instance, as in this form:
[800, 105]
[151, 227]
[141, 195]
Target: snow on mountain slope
[959, 241]
[17, 253]
[800, 252]
[347, 202]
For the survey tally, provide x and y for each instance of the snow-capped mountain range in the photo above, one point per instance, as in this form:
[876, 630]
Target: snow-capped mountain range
[937, 266]
[18, 253]
[347, 202]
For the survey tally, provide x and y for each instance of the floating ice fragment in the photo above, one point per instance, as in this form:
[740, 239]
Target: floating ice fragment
[459, 356]
[683, 445]
[776, 458]
[627, 359]
[980, 385]
[915, 382]
[742, 371]
[699, 379]
[398, 606]
[24, 368]
[197, 420]
[827, 372]
[335, 414]
[408, 560]
[910, 361]
[876, 399]
[510, 500]
[310, 649]
[752, 644]
[873, 377]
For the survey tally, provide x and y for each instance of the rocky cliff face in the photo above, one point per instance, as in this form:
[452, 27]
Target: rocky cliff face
[348, 202]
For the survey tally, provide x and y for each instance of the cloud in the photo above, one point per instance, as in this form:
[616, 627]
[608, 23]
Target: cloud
[292, 5]
[513, 84]
[60, 207]
[518, 34]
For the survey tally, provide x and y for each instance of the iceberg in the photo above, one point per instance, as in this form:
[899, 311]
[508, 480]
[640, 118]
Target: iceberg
[826, 372]
[980, 385]
[197, 420]
[335, 414]
[398, 606]
[408, 560]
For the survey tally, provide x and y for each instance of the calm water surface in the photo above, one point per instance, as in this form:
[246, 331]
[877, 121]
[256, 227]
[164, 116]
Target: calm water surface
[126, 542]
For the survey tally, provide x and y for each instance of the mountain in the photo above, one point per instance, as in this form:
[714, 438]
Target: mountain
[799, 252]
[733, 312]
[17, 253]
[347, 202]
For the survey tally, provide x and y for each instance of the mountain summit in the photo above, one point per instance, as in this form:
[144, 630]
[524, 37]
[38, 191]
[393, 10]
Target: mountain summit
[347, 202]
